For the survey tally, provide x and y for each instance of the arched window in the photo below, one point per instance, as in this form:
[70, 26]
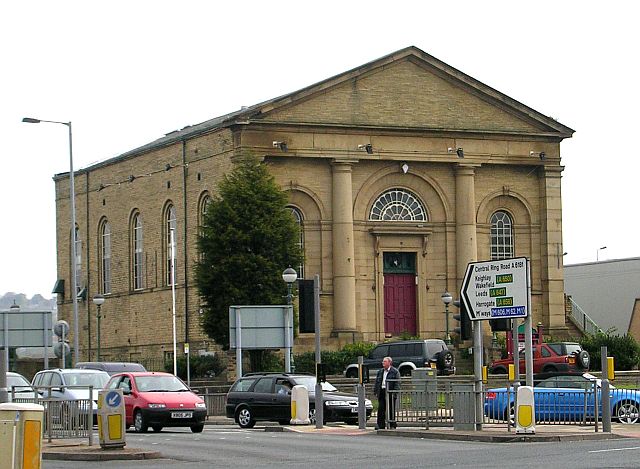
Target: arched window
[105, 257]
[398, 205]
[501, 236]
[205, 201]
[78, 260]
[138, 253]
[170, 243]
[297, 216]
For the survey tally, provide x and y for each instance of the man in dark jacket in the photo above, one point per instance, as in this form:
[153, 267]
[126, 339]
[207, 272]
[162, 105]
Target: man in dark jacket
[387, 379]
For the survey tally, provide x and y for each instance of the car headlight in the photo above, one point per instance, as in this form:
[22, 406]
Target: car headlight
[157, 406]
[367, 403]
[337, 403]
[201, 405]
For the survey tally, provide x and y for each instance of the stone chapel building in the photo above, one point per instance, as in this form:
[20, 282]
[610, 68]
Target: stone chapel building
[400, 172]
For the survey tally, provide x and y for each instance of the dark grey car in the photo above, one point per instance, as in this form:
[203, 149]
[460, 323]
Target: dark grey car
[408, 355]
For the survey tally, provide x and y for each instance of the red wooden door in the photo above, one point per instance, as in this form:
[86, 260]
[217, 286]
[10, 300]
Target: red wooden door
[400, 303]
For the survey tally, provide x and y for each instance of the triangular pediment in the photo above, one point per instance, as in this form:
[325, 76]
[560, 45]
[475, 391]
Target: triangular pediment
[407, 90]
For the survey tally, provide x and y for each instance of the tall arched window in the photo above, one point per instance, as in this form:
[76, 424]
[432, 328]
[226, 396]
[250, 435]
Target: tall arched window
[205, 201]
[170, 243]
[297, 216]
[138, 253]
[398, 205]
[501, 236]
[105, 257]
[78, 260]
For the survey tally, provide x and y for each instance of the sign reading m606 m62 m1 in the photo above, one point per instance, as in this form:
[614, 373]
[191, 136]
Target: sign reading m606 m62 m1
[496, 289]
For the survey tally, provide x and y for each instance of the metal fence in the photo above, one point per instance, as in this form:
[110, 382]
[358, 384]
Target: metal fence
[425, 403]
[73, 418]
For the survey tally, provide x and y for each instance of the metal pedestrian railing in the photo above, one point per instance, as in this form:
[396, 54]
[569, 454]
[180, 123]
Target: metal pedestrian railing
[63, 418]
[582, 320]
[425, 403]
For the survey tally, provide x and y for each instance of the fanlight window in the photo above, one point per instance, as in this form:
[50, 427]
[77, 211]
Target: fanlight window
[398, 205]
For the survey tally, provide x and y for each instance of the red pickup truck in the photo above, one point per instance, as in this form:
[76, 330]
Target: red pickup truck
[566, 357]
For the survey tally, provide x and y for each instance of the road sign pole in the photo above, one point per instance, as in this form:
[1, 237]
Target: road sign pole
[515, 349]
[528, 338]
[477, 366]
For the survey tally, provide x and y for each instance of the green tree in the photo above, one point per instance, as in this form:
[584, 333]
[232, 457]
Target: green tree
[247, 239]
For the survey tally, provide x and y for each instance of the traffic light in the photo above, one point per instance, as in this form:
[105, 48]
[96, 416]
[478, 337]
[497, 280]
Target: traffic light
[500, 325]
[464, 329]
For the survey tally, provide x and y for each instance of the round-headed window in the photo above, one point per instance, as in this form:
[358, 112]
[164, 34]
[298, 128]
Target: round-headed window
[398, 205]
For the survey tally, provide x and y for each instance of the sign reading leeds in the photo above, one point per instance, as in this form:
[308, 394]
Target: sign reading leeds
[496, 289]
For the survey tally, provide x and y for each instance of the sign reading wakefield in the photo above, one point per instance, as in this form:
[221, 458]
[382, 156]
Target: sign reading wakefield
[496, 289]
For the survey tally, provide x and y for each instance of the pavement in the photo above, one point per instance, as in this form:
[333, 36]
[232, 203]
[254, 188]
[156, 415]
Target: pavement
[79, 450]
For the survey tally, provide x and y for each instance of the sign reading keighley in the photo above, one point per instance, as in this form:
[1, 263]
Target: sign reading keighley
[496, 289]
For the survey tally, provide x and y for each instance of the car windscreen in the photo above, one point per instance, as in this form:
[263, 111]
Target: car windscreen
[309, 382]
[97, 380]
[19, 383]
[160, 384]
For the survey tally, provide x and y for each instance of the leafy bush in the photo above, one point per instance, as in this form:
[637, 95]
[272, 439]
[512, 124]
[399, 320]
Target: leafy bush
[625, 350]
[335, 361]
[201, 366]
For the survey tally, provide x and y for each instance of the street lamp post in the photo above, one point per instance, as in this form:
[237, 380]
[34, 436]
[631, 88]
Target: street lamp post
[598, 253]
[98, 300]
[289, 276]
[446, 299]
[72, 195]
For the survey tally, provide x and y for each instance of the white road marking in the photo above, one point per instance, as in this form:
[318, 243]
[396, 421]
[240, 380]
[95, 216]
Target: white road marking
[614, 449]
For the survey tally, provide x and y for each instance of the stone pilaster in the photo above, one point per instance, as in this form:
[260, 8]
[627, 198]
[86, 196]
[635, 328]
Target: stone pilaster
[344, 278]
[551, 273]
[466, 233]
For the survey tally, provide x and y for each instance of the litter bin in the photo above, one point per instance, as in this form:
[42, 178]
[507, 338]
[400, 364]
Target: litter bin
[111, 421]
[21, 435]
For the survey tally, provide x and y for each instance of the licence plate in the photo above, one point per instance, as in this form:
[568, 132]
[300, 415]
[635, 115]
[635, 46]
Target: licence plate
[354, 410]
[181, 415]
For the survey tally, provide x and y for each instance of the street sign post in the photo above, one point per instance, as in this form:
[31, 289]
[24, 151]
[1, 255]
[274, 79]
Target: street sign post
[499, 289]
[496, 289]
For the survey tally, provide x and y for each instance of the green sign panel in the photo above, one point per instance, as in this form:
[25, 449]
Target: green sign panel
[506, 278]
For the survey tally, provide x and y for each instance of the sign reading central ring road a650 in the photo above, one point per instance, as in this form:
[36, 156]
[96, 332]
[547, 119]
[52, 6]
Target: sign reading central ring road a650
[496, 289]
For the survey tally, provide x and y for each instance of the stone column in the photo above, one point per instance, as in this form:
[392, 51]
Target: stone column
[466, 233]
[551, 269]
[344, 277]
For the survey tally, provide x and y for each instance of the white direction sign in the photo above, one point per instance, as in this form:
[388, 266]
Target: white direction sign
[496, 289]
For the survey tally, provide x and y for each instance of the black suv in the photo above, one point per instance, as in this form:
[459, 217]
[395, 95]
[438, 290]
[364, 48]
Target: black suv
[408, 355]
[267, 396]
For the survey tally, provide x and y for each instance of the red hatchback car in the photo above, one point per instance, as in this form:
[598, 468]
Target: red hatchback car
[157, 400]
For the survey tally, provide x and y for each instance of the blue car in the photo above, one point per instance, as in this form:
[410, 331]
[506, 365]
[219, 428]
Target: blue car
[566, 399]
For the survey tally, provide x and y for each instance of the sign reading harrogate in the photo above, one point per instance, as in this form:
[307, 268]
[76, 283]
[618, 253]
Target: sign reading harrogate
[496, 289]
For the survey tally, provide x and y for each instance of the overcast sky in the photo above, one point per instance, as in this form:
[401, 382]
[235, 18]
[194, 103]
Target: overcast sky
[127, 72]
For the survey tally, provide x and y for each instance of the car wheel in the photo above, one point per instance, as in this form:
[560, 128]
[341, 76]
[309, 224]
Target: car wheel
[139, 422]
[312, 416]
[511, 414]
[245, 418]
[197, 428]
[352, 373]
[627, 412]
[583, 359]
[405, 371]
[499, 370]
[445, 359]
[351, 421]
[157, 428]
[549, 369]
